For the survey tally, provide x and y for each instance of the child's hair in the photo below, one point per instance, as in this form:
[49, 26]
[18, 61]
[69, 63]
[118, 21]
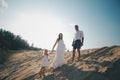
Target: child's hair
[45, 50]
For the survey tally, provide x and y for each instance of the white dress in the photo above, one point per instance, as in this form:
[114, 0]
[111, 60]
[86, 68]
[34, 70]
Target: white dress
[44, 62]
[59, 55]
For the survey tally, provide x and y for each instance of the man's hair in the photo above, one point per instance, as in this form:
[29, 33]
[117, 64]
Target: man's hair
[76, 26]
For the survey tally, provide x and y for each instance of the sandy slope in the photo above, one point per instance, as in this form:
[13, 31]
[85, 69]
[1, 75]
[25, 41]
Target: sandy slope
[95, 64]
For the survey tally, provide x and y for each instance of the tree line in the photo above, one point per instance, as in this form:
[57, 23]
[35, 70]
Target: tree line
[10, 41]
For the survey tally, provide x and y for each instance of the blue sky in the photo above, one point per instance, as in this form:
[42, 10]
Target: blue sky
[40, 21]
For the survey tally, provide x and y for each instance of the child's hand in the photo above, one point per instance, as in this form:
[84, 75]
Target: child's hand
[49, 53]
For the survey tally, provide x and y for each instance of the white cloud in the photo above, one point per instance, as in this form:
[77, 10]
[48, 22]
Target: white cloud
[3, 5]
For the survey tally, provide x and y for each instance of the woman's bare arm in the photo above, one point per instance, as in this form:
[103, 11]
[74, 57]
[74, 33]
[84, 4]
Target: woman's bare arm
[54, 44]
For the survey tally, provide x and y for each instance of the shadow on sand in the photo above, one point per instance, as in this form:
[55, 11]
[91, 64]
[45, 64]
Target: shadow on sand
[69, 73]
[72, 72]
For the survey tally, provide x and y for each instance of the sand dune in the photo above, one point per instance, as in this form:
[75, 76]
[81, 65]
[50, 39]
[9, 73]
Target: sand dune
[95, 64]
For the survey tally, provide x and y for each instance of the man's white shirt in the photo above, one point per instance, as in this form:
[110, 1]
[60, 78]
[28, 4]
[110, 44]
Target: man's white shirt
[78, 35]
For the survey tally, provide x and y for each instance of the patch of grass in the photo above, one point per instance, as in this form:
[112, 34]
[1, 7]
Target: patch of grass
[4, 54]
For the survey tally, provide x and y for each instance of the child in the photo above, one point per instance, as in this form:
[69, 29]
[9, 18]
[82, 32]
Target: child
[44, 63]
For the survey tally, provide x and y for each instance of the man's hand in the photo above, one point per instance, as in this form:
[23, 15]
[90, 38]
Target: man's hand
[81, 44]
[73, 43]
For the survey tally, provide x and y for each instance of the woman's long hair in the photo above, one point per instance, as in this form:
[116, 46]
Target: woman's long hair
[60, 36]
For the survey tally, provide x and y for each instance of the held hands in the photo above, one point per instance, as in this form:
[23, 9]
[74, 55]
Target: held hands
[51, 51]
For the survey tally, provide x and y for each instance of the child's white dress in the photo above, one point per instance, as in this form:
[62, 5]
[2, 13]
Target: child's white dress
[44, 61]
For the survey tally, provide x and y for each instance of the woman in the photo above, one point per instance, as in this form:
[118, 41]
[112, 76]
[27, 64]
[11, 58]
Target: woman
[59, 56]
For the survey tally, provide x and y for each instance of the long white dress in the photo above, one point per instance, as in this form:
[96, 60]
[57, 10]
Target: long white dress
[58, 60]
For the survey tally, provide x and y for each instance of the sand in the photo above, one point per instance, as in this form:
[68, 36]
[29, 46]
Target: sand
[95, 64]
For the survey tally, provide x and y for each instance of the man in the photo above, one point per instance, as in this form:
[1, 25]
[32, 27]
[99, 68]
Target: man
[77, 42]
